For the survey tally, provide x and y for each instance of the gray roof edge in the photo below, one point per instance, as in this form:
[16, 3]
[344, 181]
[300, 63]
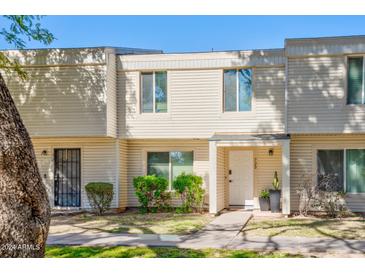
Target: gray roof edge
[248, 137]
[117, 50]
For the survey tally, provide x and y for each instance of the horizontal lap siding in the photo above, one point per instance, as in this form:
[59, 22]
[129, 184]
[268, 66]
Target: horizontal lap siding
[325, 46]
[302, 161]
[266, 167]
[56, 57]
[137, 150]
[195, 105]
[123, 173]
[111, 96]
[62, 101]
[98, 162]
[202, 60]
[317, 97]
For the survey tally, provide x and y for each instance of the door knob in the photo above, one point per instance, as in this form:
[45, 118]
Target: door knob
[230, 181]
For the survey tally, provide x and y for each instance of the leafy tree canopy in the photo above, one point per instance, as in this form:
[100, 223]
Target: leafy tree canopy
[19, 30]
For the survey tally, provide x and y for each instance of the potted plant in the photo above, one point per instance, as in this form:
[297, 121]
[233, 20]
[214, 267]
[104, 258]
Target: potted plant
[264, 200]
[275, 194]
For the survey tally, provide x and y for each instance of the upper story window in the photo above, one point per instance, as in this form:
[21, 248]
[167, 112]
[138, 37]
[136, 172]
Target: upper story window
[237, 90]
[154, 92]
[355, 80]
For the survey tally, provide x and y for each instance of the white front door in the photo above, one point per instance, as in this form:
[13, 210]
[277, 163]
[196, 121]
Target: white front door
[241, 178]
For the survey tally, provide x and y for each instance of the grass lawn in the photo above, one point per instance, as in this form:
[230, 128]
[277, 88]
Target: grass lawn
[132, 222]
[349, 228]
[156, 252]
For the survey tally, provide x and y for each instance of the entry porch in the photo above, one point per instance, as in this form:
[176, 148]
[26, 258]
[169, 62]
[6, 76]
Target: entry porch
[242, 165]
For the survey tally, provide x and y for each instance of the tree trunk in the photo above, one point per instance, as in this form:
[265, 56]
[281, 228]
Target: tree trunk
[24, 206]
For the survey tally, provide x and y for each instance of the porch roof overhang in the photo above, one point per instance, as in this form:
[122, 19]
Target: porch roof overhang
[238, 139]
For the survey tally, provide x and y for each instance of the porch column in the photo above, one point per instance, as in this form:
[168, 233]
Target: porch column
[212, 177]
[285, 181]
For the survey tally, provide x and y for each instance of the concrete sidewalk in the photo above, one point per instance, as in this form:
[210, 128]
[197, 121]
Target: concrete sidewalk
[216, 234]
[222, 232]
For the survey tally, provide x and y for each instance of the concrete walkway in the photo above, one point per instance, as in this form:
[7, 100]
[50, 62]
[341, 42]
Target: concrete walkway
[217, 234]
[222, 232]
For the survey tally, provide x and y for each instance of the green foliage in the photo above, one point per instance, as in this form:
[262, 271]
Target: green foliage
[265, 194]
[156, 252]
[20, 29]
[100, 196]
[151, 191]
[275, 181]
[189, 188]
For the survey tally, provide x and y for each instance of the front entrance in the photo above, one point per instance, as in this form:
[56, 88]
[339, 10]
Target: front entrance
[67, 184]
[241, 178]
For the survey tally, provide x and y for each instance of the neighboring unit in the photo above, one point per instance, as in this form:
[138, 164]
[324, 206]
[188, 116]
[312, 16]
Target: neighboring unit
[234, 118]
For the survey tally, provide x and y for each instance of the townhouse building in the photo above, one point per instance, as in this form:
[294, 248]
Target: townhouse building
[232, 117]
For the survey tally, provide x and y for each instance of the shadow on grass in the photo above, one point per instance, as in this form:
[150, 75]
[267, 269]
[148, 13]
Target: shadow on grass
[321, 230]
[136, 223]
[155, 252]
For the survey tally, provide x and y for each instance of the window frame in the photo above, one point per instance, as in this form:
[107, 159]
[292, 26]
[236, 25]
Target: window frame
[153, 92]
[343, 164]
[347, 79]
[238, 90]
[145, 165]
[344, 149]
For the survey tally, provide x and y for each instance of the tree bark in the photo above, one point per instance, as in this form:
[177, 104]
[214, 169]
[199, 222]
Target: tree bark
[24, 205]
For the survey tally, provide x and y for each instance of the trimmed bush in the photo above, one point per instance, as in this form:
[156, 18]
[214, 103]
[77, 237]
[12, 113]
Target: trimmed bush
[189, 188]
[100, 196]
[151, 191]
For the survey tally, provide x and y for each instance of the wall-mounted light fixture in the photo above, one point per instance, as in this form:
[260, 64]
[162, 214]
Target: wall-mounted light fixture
[271, 152]
[44, 153]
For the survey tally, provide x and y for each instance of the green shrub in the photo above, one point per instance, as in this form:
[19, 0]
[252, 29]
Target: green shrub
[189, 188]
[265, 194]
[151, 191]
[100, 196]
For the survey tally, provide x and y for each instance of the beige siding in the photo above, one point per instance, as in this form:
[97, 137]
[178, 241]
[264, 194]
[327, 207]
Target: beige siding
[203, 60]
[325, 46]
[111, 95]
[303, 161]
[137, 153]
[57, 57]
[195, 106]
[62, 101]
[98, 158]
[317, 97]
[123, 174]
[264, 169]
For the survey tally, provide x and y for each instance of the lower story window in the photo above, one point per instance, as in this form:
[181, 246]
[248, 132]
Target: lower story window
[330, 170]
[170, 164]
[333, 164]
[355, 170]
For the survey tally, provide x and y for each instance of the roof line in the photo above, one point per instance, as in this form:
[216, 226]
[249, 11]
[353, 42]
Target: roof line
[149, 51]
[92, 47]
[325, 37]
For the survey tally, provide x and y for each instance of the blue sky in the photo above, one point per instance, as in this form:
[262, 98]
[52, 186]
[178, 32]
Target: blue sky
[193, 33]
